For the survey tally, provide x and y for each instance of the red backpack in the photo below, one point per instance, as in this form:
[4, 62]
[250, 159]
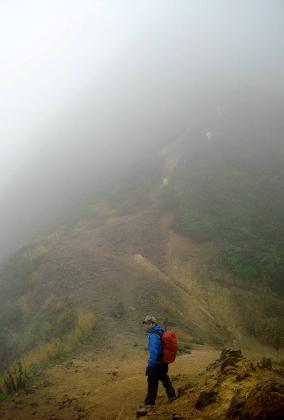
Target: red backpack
[169, 346]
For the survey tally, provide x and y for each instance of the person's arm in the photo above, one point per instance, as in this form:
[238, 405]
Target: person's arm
[154, 348]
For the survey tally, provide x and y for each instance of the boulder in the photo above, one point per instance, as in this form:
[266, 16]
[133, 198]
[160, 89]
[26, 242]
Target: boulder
[205, 398]
[227, 353]
[265, 401]
[265, 363]
[228, 358]
[236, 407]
[183, 389]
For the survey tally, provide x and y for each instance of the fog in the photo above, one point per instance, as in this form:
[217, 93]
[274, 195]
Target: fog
[89, 87]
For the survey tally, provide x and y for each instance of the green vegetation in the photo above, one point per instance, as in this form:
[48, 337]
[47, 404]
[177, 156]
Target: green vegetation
[233, 197]
[49, 324]
[230, 196]
[15, 379]
[60, 347]
[264, 319]
[48, 334]
[61, 340]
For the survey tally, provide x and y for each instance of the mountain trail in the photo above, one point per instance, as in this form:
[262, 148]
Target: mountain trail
[98, 388]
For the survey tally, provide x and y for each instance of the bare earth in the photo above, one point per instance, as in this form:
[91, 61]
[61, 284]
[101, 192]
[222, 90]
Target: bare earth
[106, 388]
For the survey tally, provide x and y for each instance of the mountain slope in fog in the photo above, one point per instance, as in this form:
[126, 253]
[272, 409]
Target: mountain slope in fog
[193, 233]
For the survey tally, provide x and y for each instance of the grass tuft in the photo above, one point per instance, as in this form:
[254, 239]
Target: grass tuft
[15, 379]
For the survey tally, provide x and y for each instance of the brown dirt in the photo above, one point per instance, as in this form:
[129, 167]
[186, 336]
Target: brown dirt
[111, 388]
[105, 388]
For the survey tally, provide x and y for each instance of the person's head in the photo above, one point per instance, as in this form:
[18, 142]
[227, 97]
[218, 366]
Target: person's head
[149, 321]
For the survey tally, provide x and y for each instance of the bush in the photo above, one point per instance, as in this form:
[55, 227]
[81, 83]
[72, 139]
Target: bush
[234, 201]
[61, 346]
[15, 379]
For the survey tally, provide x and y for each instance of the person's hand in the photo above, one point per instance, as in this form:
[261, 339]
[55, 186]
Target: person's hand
[147, 370]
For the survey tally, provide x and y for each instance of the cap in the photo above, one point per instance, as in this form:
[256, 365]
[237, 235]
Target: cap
[148, 319]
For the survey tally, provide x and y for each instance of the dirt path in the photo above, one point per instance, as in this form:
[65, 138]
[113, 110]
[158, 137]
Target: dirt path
[97, 389]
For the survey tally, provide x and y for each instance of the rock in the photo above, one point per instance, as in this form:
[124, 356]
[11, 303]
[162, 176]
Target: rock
[46, 383]
[229, 362]
[252, 367]
[230, 353]
[227, 357]
[69, 364]
[265, 401]
[279, 370]
[205, 398]
[236, 407]
[65, 403]
[81, 416]
[86, 393]
[265, 363]
[182, 390]
[241, 376]
[29, 390]
[80, 409]
[179, 377]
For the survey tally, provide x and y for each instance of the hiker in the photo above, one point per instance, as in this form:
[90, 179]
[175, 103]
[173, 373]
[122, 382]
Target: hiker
[157, 368]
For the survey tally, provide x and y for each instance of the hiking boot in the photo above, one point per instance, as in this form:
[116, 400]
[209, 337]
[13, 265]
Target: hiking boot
[171, 399]
[146, 406]
[144, 410]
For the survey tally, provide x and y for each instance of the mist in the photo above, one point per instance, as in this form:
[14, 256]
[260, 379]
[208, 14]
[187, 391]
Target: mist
[89, 88]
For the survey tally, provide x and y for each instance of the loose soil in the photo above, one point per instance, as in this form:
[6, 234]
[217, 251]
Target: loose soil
[105, 388]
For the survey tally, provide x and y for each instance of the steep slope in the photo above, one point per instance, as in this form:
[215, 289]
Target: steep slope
[102, 268]
[193, 234]
[209, 386]
[118, 269]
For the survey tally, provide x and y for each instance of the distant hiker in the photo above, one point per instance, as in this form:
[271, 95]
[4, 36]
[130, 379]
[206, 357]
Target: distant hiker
[161, 353]
[209, 136]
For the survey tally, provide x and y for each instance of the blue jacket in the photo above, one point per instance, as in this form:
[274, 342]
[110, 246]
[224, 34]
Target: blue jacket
[154, 345]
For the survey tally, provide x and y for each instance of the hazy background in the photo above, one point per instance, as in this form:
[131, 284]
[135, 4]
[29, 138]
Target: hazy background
[88, 86]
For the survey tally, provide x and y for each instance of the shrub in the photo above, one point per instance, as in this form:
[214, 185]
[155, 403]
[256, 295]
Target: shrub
[61, 346]
[234, 201]
[15, 379]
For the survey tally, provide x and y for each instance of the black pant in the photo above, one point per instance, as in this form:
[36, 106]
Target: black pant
[155, 374]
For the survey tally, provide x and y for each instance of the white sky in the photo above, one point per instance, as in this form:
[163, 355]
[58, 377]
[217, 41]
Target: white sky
[51, 50]
[120, 70]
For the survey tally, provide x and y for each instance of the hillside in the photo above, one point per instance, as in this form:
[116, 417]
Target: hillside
[203, 251]
[193, 234]
[209, 385]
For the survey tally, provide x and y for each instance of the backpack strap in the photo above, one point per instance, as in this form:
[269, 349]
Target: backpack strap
[157, 332]
[160, 334]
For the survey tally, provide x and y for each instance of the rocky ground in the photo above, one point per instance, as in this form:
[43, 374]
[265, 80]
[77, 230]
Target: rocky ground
[232, 387]
[209, 385]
